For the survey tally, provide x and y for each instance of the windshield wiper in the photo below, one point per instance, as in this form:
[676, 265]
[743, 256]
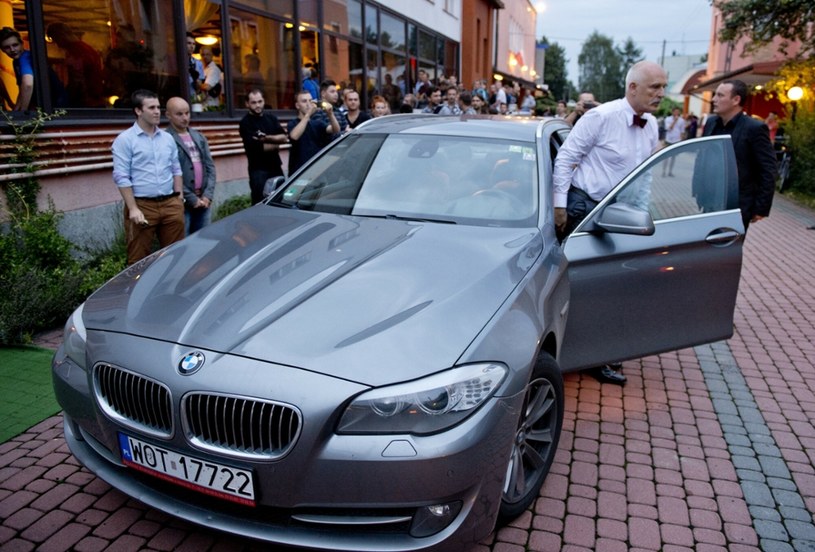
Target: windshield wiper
[391, 216]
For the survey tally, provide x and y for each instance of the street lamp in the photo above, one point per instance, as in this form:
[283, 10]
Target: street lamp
[794, 94]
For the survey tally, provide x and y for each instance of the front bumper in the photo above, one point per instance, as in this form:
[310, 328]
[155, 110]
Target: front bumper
[331, 492]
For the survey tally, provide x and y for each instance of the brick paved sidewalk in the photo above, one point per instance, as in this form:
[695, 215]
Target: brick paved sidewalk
[707, 449]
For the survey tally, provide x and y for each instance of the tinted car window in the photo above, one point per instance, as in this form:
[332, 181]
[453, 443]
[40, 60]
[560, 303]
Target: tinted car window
[443, 178]
[681, 183]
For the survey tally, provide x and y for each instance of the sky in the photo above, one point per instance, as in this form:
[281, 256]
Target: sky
[684, 25]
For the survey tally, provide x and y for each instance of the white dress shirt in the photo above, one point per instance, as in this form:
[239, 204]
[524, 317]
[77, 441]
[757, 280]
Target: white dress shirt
[673, 131]
[602, 148]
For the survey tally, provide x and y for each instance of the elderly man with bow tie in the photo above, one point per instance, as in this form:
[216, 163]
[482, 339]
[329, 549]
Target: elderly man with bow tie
[606, 144]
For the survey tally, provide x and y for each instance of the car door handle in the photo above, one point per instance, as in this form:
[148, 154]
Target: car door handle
[722, 237]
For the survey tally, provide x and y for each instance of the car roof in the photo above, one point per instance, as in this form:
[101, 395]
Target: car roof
[499, 127]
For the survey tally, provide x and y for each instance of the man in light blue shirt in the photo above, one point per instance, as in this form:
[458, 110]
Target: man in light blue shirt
[195, 69]
[148, 174]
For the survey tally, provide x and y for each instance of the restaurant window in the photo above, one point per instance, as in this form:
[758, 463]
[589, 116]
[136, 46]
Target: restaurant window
[99, 51]
[262, 57]
[356, 65]
[393, 79]
[104, 50]
[343, 17]
[450, 61]
[371, 25]
[282, 8]
[427, 46]
[310, 55]
[372, 73]
[203, 21]
[15, 19]
[343, 62]
[307, 12]
[393, 32]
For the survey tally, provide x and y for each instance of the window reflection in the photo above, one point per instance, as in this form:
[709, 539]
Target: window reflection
[393, 32]
[103, 50]
[262, 57]
[203, 21]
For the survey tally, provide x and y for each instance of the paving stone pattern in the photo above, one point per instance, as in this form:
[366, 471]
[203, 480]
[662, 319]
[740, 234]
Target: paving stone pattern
[709, 449]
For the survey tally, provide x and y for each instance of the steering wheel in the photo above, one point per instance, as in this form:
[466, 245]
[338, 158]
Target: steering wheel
[504, 204]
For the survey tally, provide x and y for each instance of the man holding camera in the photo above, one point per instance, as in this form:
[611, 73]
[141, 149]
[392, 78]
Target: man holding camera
[610, 141]
[262, 136]
[585, 101]
[329, 104]
[316, 125]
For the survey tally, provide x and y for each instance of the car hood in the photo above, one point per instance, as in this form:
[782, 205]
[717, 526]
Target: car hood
[369, 300]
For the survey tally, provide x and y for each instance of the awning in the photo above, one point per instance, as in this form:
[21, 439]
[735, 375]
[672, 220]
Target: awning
[515, 78]
[688, 81]
[753, 75]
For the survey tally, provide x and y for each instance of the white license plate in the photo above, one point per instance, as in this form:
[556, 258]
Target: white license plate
[204, 476]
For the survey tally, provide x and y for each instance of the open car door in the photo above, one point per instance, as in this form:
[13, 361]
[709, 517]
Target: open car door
[656, 265]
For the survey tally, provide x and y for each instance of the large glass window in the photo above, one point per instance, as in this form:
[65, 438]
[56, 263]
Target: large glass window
[343, 16]
[344, 63]
[98, 55]
[283, 8]
[262, 57]
[427, 46]
[371, 25]
[356, 66]
[393, 83]
[372, 73]
[12, 95]
[307, 12]
[203, 21]
[393, 32]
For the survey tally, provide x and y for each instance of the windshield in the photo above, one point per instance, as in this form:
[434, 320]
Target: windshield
[419, 177]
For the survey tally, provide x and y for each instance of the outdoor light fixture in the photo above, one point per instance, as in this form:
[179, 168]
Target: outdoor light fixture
[795, 93]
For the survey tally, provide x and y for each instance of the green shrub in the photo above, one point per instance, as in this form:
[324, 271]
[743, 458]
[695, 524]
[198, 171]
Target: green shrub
[44, 278]
[104, 265]
[801, 135]
[232, 206]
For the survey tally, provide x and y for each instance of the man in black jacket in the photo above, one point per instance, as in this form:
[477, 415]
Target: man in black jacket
[755, 157]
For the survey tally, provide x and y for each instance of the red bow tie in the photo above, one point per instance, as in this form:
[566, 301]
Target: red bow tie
[640, 121]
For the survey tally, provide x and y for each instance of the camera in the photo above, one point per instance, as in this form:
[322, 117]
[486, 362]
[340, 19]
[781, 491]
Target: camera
[588, 105]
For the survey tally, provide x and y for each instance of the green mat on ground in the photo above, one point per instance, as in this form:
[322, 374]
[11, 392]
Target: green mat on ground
[26, 393]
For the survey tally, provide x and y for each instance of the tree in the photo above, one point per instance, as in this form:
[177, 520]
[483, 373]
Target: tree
[798, 123]
[761, 21]
[601, 68]
[630, 54]
[554, 69]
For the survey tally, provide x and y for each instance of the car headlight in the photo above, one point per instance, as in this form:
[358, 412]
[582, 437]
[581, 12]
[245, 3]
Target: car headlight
[74, 337]
[424, 406]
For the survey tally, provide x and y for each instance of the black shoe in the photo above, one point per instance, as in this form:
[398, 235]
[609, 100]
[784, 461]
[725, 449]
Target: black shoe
[609, 374]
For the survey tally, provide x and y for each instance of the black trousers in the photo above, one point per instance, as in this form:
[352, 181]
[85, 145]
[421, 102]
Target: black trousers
[578, 205]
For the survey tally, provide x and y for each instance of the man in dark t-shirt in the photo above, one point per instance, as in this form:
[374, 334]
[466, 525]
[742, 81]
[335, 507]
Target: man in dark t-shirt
[262, 135]
[309, 133]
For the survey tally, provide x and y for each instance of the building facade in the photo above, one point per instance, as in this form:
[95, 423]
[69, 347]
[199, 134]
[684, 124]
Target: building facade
[733, 61]
[266, 44]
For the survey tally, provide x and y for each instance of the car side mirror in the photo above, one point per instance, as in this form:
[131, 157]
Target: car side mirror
[624, 218]
[272, 185]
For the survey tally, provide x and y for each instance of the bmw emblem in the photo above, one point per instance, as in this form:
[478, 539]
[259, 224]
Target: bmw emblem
[191, 363]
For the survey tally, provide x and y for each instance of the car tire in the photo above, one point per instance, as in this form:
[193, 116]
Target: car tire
[536, 439]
